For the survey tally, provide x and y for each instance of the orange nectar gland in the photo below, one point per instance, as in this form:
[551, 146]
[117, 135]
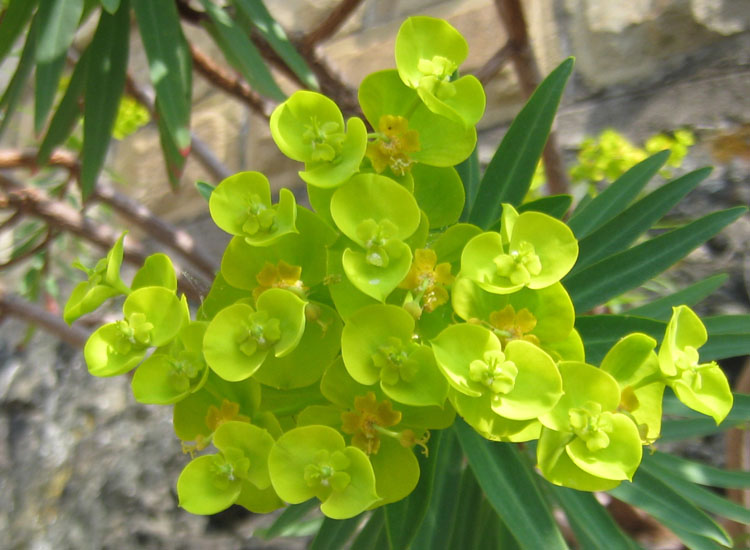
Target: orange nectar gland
[428, 279]
[393, 143]
[281, 275]
[509, 324]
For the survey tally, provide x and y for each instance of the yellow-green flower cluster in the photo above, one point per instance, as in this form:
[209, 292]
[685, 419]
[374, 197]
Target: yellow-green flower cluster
[334, 340]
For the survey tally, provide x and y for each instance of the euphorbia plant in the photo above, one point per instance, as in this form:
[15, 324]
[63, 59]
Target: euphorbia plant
[336, 343]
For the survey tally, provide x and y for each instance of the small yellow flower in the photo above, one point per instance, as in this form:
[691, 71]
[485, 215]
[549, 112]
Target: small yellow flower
[428, 279]
[510, 324]
[229, 411]
[364, 422]
[393, 146]
[281, 275]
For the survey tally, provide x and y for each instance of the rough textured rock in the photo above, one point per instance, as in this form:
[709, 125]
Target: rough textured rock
[82, 466]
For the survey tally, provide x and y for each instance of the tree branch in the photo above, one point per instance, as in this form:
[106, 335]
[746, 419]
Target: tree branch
[177, 239]
[58, 215]
[494, 64]
[221, 78]
[329, 25]
[529, 77]
[32, 313]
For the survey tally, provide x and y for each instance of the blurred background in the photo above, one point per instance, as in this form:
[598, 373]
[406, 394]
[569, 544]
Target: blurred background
[84, 466]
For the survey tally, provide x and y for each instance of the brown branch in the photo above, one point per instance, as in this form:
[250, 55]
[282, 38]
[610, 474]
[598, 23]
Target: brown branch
[34, 202]
[221, 78]
[494, 64]
[529, 77]
[32, 313]
[329, 25]
[177, 239]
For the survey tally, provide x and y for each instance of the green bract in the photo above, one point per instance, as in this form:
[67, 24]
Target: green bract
[586, 444]
[378, 214]
[153, 317]
[314, 461]
[377, 346]
[702, 387]
[241, 205]
[407, 130]
[239, 473]
[534, 251]
[428, 53]
[308, 127]
[239, 338]
[103, 283]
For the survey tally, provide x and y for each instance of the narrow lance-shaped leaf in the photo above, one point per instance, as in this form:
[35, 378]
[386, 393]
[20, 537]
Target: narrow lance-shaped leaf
[655, 497]
[105, 81]
[15, 17]
[18, 82]
[468, 170]
[614, 275]
[509, 173]
[110, 5]
[706, 499]
[240, 51]
[621, 231]
[404, 518]
[508, 484]
[334, 533]
[68, 112]
[616, 197]
[167, 53]
[662, 308]
[697, 472]
[262, 20]
[592, 524]
[58, 20]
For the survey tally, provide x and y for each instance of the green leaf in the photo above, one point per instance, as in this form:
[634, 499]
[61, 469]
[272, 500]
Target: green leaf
[621, 231]
[110, 5]
[661, 309]
[291, 515]
[404, 518]
[616, 274]
[17, 83]
[334, 533]
[58, 21]
[69, 110]
[205, 189]
[174, 158]
[368, 537]
[600, 332]
[708, 500]
[652, 495]
[554, 205]
[438, 522]
[105, 81]
[615, 198]
[508, 484]
[468, 170]
[257, 13]
[593, 526]
[509, 174]
[697, 472]
[469, 500]
[14, 19]
[168, 55]
[240, 52]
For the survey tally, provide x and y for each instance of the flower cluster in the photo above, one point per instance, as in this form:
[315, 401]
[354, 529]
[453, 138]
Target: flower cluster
[333, 341]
